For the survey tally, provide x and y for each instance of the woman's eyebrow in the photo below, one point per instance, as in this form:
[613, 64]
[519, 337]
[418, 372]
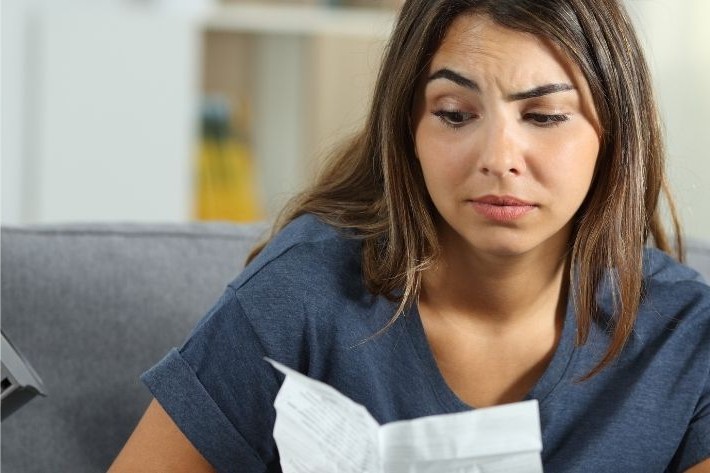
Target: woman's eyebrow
[540, 91]
[454, 77]
[458, 79]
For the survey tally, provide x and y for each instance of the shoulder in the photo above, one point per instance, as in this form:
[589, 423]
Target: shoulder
[307, 252]
[670, 344]
[673, 285]
[676, 302]
[305, 288]
[673, 318]
[670, 289]
[661, 376]
[660, 266]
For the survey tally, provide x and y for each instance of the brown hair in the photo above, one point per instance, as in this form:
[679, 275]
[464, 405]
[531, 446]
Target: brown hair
[374, 185]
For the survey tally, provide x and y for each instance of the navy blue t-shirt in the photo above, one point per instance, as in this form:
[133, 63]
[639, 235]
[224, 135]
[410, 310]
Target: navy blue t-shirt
[302, 302]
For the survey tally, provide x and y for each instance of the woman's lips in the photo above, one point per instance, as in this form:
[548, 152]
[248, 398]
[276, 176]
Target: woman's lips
[502, 208]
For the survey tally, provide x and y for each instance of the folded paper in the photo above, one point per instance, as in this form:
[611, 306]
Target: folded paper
[320, 430]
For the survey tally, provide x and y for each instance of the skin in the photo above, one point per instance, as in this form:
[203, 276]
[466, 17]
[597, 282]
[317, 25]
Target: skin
[517, 266]
[501, 113]
[158, 446]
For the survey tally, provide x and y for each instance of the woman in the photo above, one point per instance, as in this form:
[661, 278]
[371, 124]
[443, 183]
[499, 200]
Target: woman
[480, 242]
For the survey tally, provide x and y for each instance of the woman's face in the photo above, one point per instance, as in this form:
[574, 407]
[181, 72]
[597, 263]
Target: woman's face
[507, 138]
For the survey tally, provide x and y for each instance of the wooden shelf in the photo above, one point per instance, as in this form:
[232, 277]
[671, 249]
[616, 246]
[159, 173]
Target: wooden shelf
[329, 57]
[300, 20]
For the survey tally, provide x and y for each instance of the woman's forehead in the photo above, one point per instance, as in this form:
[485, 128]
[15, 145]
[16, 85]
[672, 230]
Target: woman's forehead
[477, 45]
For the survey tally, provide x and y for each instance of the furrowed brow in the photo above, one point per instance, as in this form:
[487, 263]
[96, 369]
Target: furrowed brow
[456, 78]
[540, 91]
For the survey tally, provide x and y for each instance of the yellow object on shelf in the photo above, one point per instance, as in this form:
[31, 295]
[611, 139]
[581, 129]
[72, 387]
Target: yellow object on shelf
[226, 179]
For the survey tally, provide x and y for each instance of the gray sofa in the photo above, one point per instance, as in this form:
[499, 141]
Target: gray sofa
[91, 307]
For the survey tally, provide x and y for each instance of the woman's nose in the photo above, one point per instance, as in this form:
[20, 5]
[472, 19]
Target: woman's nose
[500, 154]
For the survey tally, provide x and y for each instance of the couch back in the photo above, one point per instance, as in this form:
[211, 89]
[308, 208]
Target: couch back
[698, 257]
[91, 307]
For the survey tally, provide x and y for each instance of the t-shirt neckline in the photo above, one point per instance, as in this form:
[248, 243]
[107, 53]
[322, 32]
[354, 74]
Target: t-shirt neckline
[550, 379]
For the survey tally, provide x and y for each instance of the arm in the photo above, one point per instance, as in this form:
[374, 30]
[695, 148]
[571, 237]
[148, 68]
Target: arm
[158, 446]
[702, 467]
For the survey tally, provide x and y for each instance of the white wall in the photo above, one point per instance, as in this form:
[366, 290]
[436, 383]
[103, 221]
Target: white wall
[12, 117]
[677, 42]
[102, 112]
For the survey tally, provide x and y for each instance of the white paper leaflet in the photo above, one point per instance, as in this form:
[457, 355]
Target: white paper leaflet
[320, 430]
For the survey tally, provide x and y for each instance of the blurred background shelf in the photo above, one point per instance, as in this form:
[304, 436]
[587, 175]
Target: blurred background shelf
[106, 100]
[299, 19]
[102, 101]
[303, 73]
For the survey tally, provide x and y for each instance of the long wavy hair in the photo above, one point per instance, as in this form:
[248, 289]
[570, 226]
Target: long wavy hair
[373, 185]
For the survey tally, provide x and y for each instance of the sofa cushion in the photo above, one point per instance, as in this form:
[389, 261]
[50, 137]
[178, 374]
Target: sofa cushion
[91, 307]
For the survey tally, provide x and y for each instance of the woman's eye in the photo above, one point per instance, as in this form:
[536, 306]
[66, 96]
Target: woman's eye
[454, 118]
[546, 120]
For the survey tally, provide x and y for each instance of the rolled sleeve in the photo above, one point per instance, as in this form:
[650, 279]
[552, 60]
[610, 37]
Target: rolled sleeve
[177, 388]
[219, 390]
